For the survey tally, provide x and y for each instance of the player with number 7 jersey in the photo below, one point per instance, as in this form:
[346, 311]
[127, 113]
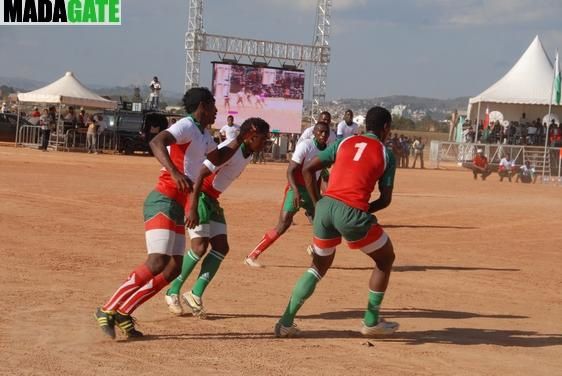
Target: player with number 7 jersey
[358, 163]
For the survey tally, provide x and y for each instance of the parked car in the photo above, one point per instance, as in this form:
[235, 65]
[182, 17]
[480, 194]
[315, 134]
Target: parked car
[134, 130]
[8, 125]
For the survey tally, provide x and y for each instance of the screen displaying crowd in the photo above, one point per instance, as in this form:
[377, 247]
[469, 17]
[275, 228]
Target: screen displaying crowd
[247, 91]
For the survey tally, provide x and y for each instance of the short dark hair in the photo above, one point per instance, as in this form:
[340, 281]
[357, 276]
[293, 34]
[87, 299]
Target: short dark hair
[196, 95]
[376, 118]
[261, 126]
[230, 117]
[326, 113]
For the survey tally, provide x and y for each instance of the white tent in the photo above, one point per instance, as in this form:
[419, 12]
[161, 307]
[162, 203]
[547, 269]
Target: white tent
[69, 91]
[527, 87]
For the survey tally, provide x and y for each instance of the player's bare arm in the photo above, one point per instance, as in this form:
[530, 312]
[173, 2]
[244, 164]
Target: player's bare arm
[219, 156]
[383, 201]
[192, 217]
[159, 145]
[309, 174]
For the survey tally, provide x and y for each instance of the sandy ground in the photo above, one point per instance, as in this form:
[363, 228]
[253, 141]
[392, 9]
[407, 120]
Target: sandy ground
[476, 285]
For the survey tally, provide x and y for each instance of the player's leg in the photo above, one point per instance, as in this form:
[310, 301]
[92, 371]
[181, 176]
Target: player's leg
[286, 215]
[326, 238]
[213, 216]
[165, 240]
[209, 267]
[199, 236]
[376, 244]
[199, 243]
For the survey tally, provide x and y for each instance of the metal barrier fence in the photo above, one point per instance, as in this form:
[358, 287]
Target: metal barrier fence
[29, 136]
[72, 139]
[444, 151]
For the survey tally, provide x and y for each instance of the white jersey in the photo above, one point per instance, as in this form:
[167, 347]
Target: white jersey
[225, 174]
[230, 131]
[192, 145]
[345, 131]
[505, 164]
[308, 134]
[304, 153]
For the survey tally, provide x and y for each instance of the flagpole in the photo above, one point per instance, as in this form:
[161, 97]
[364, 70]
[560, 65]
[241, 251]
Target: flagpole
[549, 114]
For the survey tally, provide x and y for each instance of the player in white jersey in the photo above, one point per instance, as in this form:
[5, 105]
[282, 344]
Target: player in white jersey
[181, 150]
[308, 133]
[206, 221]
[296, 195]
[230, 131]
[347, 127]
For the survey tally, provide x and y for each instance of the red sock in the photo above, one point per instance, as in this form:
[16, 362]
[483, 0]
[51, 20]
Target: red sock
[143, 294]
[268, 239]
[136, 279]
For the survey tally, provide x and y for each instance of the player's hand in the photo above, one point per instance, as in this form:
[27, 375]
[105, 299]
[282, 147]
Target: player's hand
[192, 219]
[296, 200]
[183, 183]
[248, 135]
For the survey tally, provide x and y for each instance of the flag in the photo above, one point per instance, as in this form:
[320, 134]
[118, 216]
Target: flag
[487, 118]
[556, 96]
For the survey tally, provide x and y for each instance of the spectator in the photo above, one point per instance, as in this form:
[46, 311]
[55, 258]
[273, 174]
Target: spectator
[82, 118]
[44, 120]
[418, 147]
[480, 165]
[526, 174]
[405, 152]
[155, 88]
[505, 169]
[70, 117]
[4, 108]
[101, 126]
[91, 135]
[230, 130]
[35, 113]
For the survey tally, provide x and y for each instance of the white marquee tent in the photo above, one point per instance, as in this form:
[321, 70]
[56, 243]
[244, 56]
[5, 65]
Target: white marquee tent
[526, 88]
[67, 90]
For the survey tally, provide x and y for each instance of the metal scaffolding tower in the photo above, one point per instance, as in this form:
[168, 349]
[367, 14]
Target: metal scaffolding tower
[318, 54]
[320, 67]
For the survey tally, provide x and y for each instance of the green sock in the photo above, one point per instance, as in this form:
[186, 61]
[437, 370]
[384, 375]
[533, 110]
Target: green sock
[209, 268]
[190, 259]
[302, 291]
[372, 313]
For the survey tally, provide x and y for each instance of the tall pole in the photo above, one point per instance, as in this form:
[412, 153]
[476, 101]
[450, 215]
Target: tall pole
[549, 121]
[477, 121]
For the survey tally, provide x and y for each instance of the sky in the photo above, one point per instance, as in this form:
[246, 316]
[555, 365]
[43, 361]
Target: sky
[430, 48]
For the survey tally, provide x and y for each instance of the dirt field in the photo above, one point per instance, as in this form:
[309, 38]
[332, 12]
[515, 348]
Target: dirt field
[476, 287]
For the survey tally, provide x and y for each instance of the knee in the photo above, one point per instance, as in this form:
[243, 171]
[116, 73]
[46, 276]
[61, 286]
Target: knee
[222, 249]
[156, 263]
[199, 248]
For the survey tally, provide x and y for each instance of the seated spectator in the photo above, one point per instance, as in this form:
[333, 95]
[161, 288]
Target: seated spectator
[35, 113]
[526, 174]
[505, 169]
[480, 165]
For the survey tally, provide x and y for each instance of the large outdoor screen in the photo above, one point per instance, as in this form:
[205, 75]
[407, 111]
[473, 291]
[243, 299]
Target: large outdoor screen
[274, 94]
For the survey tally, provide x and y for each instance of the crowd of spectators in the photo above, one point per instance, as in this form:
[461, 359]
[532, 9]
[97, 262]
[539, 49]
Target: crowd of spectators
[522, 132]
[404, 147]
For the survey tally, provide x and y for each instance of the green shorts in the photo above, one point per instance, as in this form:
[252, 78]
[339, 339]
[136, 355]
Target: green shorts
[164, 225]
[209, 210]
[305, 203]
[211, 218]
[334, 219]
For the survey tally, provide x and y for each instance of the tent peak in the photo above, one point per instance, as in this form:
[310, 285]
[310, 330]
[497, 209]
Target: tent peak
[69, 74]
